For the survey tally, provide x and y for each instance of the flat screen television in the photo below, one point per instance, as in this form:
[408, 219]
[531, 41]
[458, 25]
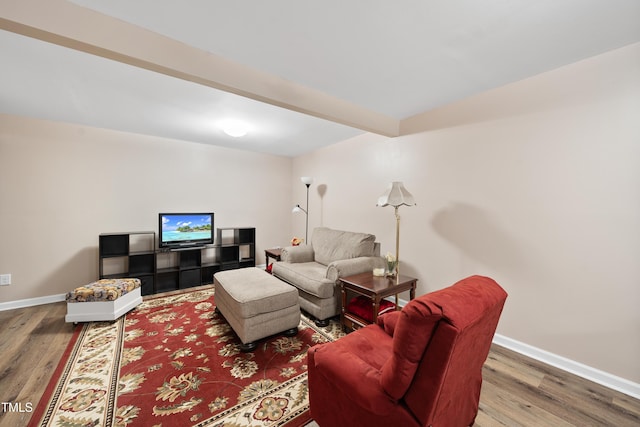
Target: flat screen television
[180, 230]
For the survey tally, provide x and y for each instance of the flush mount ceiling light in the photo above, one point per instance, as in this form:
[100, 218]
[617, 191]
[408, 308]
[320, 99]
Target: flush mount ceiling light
[234, 128]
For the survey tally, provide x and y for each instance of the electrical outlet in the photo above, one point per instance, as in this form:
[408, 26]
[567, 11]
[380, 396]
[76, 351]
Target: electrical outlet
[5, 279]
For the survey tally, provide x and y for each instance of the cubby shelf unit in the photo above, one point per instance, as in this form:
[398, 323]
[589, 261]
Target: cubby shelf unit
[128, 255]
[236, 247]
[134, 254]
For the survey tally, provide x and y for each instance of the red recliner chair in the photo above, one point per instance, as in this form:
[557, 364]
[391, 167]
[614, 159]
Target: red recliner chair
[421, 366]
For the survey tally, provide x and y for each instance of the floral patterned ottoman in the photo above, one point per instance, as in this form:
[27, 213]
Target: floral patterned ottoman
[105, 299]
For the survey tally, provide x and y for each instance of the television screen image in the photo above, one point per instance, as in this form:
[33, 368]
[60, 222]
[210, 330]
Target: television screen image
[185, 229]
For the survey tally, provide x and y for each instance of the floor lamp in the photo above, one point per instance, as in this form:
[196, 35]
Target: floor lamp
[306, 180]
[396, 196]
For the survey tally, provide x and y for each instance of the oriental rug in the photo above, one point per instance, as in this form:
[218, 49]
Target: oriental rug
[175, 361]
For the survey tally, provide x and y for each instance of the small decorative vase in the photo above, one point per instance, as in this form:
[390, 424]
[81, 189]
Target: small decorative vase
[391, 268]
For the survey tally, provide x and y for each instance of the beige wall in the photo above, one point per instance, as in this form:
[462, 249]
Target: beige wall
[535, 184]
[62, 185]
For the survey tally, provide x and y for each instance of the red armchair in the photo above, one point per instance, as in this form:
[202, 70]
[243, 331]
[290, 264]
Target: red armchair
[421, 366]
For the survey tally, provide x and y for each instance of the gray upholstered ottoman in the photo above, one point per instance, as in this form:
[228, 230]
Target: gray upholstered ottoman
[256, 304]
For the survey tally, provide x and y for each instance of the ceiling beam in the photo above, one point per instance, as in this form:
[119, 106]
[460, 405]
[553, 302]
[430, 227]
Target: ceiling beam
[69, 25]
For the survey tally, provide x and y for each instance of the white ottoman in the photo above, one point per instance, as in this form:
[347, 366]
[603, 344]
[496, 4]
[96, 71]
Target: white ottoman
[256, 304]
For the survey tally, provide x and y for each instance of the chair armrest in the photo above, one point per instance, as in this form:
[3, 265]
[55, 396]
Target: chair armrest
[349, 267]
[293, 254]
[353, 377]
[388, 321]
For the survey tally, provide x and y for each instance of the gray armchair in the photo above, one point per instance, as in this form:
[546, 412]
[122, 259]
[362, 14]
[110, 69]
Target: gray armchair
[315, 269]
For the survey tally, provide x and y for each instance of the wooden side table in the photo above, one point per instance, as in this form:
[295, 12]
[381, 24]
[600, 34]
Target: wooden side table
[375, 288]
[275, 253]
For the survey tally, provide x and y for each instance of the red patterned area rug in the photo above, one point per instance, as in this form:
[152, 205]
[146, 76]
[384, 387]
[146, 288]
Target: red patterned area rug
[174, 361]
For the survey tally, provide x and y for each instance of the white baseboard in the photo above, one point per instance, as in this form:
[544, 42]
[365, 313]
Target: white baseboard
[592, 374]
[576, 368]
[30, 302]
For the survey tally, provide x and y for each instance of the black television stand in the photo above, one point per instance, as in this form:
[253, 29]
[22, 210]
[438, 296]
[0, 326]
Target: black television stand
[133, 254]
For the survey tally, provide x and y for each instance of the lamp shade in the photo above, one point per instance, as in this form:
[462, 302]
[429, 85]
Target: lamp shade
[306, 180]
[396, 195]
[298, 209]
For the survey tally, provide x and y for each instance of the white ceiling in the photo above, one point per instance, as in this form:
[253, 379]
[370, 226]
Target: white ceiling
[395, 59]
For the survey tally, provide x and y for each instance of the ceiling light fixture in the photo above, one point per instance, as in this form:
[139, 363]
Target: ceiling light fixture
[234, 128]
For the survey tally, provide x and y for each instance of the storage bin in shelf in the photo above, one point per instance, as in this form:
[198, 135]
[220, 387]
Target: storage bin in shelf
[245, 236]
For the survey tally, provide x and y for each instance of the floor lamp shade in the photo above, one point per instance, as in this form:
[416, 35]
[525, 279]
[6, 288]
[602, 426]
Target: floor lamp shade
[396, 195]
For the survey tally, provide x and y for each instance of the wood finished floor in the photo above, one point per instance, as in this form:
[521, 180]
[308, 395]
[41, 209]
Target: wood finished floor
[517, 391]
